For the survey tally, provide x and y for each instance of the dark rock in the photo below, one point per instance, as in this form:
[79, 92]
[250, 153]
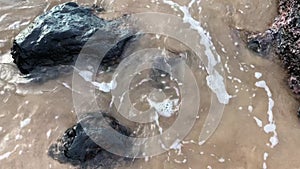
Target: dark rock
[77, 148]
[261, 43]
[284, 34]
[288, 41]
[43, 74]
[57, 37]
[294, 84]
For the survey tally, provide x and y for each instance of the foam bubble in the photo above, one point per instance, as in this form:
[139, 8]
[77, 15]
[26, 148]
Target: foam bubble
[48, 133]
[250, 108]
[25, 122]
[257, 75]
[221, 160]
[165, 108]
[258, 121]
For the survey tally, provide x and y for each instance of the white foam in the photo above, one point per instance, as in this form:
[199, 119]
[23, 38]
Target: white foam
[266, 155]
[237, 79]
[48, 133]
[258, 122]
[146, 158]
[274, 140]
[106, 87]
[201, 142]
[177, 91]
[18, 137]
[6, 58]
[250, 108]
[14, 25]
[265, 165]
[156, 118]
[25, 122]
[176, 146]
[214, 84]
[180, 162]
[165, 108]
[271, 127]
[242, 68]
[3, 17]
[103, 86]
[66, 85]
[227, 67]
[214, 80]
[221, 160]
[8, 154]
[86, 75]
[5, 155]
[257, 75]
[112, 101]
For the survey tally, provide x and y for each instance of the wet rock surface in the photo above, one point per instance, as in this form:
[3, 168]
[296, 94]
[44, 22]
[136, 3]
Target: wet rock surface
[57, 37]
[284, 36]
[77, 148]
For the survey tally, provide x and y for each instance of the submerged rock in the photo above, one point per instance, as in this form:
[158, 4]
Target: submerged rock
[284, 35]
[77, 148]
[57, 37]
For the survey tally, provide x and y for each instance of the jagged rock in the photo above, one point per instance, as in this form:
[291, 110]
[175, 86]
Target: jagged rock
[57, 37]
[261, 43]
[77, 148]
[284, 35]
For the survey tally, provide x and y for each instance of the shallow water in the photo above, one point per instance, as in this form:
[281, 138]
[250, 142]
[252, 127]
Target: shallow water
[33, 115]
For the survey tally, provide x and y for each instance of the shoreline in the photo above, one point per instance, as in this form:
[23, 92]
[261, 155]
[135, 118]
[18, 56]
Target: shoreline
[284, 37]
